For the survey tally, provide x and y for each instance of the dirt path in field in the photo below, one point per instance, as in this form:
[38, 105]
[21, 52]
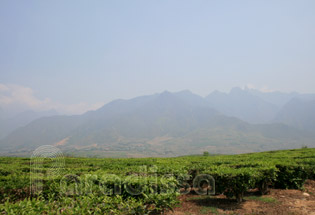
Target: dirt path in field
[277, 202]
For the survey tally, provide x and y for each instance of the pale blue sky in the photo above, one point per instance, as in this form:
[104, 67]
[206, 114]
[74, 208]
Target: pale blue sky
[96, 51]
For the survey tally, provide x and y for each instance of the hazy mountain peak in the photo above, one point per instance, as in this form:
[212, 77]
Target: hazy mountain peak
[242, 104]
[165, 92]
[298, 112]
[180, 120]
[165, 95]
[238, 90]
[186, 92]
[216, 93]
[9, 124]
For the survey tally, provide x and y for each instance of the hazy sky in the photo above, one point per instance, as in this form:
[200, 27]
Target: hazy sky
[65, 53]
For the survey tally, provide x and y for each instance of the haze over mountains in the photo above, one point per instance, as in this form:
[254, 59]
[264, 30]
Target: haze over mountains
[170, 124]
[9, 123]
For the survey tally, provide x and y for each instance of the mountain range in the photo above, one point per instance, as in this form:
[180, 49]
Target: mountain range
[10, 123]
[172, 124]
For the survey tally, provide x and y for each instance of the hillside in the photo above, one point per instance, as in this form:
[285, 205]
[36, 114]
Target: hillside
[299, 113]
[165, 124]
[11, 123]
[243, 105]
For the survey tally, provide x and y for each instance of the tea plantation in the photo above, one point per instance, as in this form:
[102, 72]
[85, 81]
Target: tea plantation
[142, 185]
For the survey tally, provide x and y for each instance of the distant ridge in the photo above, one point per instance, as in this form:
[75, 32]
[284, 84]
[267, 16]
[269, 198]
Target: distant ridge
[169, 124]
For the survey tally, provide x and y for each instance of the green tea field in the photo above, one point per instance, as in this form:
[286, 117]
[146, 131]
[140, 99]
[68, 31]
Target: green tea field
[155, 185]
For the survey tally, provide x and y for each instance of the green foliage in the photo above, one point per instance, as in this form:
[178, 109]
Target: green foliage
[205, 153]
[290, 176]
[145, 185]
